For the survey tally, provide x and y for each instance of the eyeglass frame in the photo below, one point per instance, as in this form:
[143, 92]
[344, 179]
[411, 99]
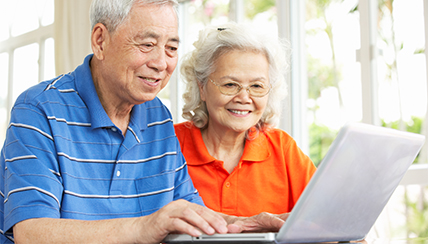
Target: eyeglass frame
[247, 88]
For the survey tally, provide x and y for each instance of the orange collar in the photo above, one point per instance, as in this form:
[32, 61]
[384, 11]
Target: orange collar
[256, 150]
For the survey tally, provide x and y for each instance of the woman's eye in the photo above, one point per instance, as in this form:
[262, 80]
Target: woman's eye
[257, 86]
[230, 85]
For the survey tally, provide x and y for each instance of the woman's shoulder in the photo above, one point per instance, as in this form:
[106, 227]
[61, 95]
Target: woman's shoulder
[184, 129]
[187, 125]
[278, 138]
[281, 141]
[277, 135]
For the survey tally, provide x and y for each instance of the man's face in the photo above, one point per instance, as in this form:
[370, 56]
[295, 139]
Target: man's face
[140, 55]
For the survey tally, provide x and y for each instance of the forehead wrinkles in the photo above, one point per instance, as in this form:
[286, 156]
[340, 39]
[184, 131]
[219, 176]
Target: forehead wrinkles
[152, 21]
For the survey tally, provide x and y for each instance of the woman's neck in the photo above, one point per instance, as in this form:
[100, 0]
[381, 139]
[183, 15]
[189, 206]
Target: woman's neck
[227, 146]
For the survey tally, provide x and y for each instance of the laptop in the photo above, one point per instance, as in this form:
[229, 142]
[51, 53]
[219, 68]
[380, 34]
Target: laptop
[347, 193]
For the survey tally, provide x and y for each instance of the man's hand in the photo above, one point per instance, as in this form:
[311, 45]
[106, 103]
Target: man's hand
[181, 217]
[263, 222]
[178, 216]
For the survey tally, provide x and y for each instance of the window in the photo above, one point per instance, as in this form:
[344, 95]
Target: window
[26, 50]
[347, 65]
[4, 69]
[334, 81]
[402, 99]
[352, 60]
[196, 14]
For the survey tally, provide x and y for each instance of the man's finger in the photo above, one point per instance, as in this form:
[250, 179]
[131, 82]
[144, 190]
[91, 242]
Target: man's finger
[200, 217]
[181, 226]
[213, 218]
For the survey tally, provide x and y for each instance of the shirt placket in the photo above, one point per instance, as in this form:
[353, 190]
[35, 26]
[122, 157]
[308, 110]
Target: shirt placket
[118, 173]
[229, 196]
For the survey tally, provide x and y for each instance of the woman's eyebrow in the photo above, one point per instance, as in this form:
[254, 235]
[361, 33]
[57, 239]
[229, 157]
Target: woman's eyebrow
[229, 77]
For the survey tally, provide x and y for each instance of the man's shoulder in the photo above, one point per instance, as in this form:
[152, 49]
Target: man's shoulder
[156, 110]
[54, 90]
[156, 105]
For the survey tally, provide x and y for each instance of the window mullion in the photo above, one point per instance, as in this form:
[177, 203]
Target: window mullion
[236, 11]
[367, 56]
[424, 152]
[10, 101]
[291, 21]
[175, 86]
[41, 61]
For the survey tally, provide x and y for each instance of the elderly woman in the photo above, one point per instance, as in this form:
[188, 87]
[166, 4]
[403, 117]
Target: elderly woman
[240, 164]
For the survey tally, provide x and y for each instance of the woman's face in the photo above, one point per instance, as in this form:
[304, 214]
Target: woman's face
[236, 113]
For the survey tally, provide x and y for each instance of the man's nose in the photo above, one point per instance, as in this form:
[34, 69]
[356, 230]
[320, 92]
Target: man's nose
[158, 59]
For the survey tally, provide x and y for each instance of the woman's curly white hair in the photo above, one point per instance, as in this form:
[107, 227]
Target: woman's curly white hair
[216, 41]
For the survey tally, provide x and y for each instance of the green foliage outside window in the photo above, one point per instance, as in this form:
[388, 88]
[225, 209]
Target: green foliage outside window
[254, 7]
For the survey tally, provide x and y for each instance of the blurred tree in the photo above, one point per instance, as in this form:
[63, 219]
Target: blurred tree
[316, 9]
[417, 215]
[321, 138]
[388, 36]
[321, 75]
[254, 7]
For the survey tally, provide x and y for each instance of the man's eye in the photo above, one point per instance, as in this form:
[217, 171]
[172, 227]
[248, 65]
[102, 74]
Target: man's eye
[146, 46]
[171, 51]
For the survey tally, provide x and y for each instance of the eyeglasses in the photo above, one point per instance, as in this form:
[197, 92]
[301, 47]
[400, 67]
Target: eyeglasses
[231, 88]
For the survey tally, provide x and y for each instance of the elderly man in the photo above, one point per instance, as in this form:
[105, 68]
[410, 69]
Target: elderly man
[91, 156]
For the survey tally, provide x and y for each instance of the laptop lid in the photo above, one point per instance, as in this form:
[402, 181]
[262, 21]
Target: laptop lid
[351, 186]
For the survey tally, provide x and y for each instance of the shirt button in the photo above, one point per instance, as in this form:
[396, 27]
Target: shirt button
[227, 184]
[118, 173]
[113, 129]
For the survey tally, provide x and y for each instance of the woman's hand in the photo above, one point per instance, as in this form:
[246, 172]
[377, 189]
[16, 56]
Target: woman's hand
[263, 222]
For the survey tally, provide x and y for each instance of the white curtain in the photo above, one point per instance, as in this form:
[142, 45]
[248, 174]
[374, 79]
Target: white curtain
[72, 34]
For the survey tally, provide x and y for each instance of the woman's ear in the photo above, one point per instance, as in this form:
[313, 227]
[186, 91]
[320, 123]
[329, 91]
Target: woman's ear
[99, 38]
[201, 91]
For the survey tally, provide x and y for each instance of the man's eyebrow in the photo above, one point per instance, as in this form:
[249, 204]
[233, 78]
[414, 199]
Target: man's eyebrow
[174, 39]
[151, 34]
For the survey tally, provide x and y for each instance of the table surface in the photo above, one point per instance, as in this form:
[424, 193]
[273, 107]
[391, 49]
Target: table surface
[396, 241]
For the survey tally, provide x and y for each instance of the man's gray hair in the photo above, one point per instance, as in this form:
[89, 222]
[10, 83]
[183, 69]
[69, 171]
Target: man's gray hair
[216, 41]
[112, 13]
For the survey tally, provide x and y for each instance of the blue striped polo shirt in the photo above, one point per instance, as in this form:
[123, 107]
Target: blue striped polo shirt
[64, 158]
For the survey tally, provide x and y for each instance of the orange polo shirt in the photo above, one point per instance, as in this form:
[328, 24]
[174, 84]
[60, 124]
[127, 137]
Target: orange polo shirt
[270, 176]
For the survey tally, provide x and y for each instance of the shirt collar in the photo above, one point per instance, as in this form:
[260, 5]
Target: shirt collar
[86, 89]
[99, 118]
[200, 152]
[256, 149]
[139, 115]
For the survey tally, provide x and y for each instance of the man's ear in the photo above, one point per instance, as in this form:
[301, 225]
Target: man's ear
[99, 38]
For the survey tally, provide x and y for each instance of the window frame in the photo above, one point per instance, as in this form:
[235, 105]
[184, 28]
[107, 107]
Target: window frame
[291, 20]
[39, 36]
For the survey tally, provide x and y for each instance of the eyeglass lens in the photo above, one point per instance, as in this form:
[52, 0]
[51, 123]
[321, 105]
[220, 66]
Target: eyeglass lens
[257, 89]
